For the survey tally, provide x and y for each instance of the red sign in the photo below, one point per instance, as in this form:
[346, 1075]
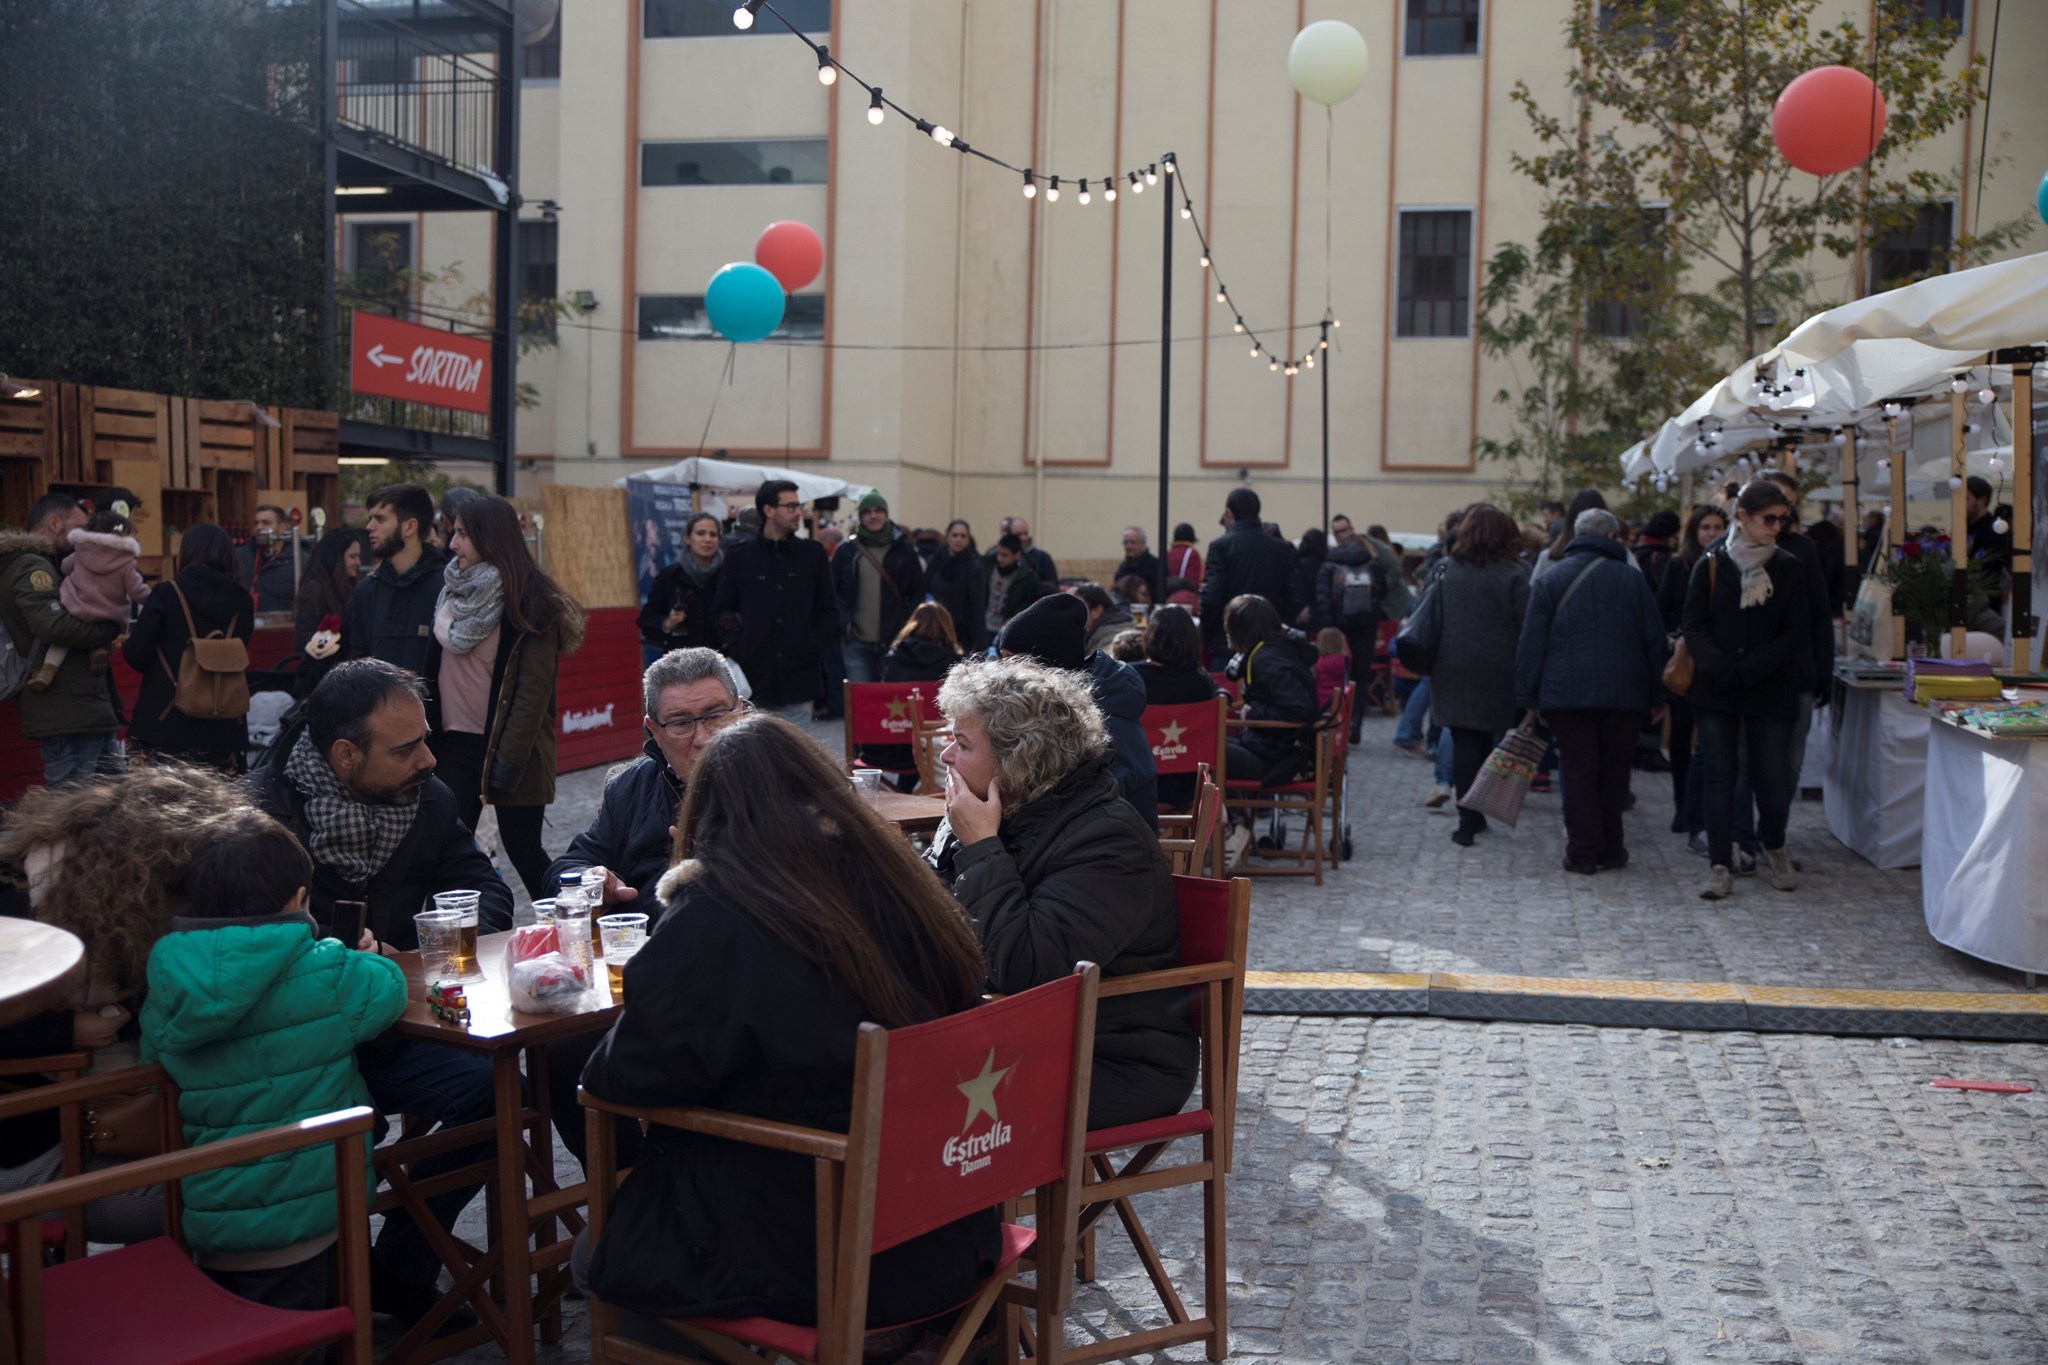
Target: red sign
[393, 359]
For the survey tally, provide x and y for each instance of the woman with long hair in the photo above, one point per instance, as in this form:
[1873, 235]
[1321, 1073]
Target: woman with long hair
[1703, 528]
[1747, 627]
[204, 596]
[330, 581]
[677, 613]
[1485, 591]
[1173, 674]
[504, 626]
[958, 581]
[794, 914]
[925, 650]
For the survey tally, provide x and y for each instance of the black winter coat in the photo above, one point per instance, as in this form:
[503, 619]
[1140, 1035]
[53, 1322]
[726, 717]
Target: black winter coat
[392, 618]
[1120, 697]
[672, 588]
[437, 854]
[1077, 875]
[155, 647]
[1671, 591]
[902, 570]
[273, 586]
[1245, 559]
[727, 1016]
[1605, 651]
[1279, 681]
[776, 614]
[630, 834]
[1332, 577]
[1819, 615]
[1752, 661]
[959, 583]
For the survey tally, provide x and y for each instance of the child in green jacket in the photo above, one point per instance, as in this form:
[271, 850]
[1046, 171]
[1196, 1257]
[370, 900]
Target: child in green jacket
[257, 1018]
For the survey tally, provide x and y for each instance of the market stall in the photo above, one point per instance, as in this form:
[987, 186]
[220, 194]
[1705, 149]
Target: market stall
[1877, 761]
[1985, 852]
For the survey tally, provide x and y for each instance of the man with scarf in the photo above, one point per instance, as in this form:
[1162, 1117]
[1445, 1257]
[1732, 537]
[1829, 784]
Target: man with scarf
[353, 778]
[879, 579]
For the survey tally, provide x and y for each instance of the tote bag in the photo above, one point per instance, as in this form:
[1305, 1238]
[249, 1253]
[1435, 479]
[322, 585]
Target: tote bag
[1422, 634]
[1503, 781]
[1871, 621]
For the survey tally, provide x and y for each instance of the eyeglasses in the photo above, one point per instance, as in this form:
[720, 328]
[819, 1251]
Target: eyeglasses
[1776, 519]
[787, 506]
[685, 727]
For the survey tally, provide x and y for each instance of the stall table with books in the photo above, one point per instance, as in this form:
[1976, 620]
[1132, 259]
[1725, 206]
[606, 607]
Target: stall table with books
[1986, 847]
[1876, 765]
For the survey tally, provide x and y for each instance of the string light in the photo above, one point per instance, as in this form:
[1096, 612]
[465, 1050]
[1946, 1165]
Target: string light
[1999, 526]
[743, 17]
[1137, 185]
[942, 135]
[1152, 174]
[1205, 260]
[1959, 383]
[1222, 297]
[875, 112]
[1237, 326]
[827, 73]
[1030, 189]
[1109, 189]
[1052, 191]
[1084, 196]
[1986, 397]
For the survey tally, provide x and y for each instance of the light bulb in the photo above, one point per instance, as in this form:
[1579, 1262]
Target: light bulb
[1335, 323]
[1969, 428]
[1169, 166]
[1220, 296]
[1255, 352]
[1986, 397]
[1186, 212]
[942, 135]
[1959, 383]
[1293, 370]
[875, 110]
[827, 73]
[1109, 189]
[1323, 345]
[1237, 326]
[1892, 409]
[1997, 465]
[1999, 526]
[1137, 185]
[1052, 191]
[1152, 175]
[1205, 261]
[1030, 190]
[1955, 481]
[1884, 466]
[1084, 195]
[1273, 365]
[1309, 361]
[743, 17]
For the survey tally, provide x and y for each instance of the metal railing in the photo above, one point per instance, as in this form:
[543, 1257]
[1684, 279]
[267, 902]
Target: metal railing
[400, 86]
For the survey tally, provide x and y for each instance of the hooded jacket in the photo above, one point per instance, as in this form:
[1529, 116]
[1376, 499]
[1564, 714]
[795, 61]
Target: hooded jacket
[1120, 695]
[156, 646]
[79, 701]
[630, 834]
[391, 617]
[257, 1021]
[101, 582]
[959, 583]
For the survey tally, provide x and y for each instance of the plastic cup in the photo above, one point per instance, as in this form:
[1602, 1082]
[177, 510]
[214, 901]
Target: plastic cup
[463, 903]
[544, 911]
[867, 784]
[620, 936]
[440, 934]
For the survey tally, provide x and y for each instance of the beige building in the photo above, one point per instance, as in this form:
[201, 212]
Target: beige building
[970, 369]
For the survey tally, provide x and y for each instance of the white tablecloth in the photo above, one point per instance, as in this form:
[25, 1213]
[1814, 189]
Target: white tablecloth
[1984, 874]
[1877, 764]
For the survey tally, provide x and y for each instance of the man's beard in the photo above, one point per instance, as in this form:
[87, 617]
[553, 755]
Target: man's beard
[384, 549]
[403, 794]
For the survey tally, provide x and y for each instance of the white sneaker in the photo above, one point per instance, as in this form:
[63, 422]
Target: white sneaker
[1235, 843]
[1438, 795]
[1720, 884]
[1745, 863]
[1782, 869]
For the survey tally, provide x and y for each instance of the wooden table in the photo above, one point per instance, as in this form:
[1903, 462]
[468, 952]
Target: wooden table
[524, 1148]
[40, 964]
[910, 813]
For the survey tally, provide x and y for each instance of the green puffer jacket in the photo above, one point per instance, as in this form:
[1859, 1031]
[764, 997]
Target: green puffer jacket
[257, 1021]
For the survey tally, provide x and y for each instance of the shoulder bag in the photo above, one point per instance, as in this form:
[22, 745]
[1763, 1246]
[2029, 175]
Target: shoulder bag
[1680, 670]
[1422, 634]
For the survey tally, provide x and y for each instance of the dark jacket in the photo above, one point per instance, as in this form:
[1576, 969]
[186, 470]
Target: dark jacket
[1332, 575]
[519, 744]
[437, 854]
[675, 587]
[1473, 684]
[727, 1016]
[1107, 627]
[1671, 593]
[1120, 697]
[1041, 564]
[1652, 554]
[156, 646]
[959, 583]
[1820, 617]
[1077, 875]
[273, 586]
[630, 834]
[1021, 592]
[1279, 681]
[80, 701]
[1752, 661]
[391, 617]
[1147, 567]
[1307, 614]
[902, 585]
[776, 613]
[1245, 559]
[1605, 651]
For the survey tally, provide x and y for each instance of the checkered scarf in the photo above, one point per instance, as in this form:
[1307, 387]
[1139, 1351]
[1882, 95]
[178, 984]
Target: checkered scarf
[355, 838]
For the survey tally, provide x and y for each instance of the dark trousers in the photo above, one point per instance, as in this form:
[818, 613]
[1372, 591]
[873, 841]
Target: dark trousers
[443, 1084]
[1681, 752]
[1595, 749]
[302, 1287]
[566, 1060]
[1469, 749]
[459, 762]
[1766, 742]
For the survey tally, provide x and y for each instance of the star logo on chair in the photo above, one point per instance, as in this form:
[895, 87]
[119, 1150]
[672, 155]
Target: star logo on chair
[899, 709]
[981, 1092]
[1171, 733]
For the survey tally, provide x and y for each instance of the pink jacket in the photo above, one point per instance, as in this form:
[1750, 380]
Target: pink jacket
[100, 577]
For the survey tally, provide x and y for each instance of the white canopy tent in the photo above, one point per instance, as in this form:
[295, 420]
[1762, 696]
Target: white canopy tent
[730, 476]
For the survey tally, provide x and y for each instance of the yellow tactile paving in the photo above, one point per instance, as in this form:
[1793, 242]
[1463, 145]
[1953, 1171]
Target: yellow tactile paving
[1594, 988]
[1944, 1002]
[1337, 981]
[1691, 992]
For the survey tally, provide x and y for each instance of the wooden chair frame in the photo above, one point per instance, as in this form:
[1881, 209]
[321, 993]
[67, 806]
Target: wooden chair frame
[24, 1210]
[844, 1166]
[59, 1067]
[1199, 850]
[1306, 860]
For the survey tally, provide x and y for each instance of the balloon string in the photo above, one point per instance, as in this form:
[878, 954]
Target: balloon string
[788, 364]
[1984, 140]
[731, 355]
[1329, 195]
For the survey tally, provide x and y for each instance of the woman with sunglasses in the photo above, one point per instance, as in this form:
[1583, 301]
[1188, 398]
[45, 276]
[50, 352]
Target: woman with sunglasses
[1745, 623]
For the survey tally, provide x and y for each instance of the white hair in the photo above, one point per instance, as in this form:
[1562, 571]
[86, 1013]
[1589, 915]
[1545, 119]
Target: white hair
[1596, 521]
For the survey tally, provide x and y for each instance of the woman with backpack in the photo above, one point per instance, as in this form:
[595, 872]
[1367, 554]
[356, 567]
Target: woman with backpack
[204, 600]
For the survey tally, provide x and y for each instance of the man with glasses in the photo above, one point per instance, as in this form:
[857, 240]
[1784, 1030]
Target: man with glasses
[776, 607]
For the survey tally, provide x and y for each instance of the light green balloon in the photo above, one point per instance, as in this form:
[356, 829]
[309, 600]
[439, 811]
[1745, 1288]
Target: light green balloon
[1327, 61]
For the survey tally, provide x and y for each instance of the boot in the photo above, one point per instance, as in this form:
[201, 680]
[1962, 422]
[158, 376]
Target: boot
[1720, 884]
[40, 680]
[1782, 870]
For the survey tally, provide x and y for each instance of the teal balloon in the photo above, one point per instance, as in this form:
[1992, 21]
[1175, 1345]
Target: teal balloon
[744, 302]
[2041, 199]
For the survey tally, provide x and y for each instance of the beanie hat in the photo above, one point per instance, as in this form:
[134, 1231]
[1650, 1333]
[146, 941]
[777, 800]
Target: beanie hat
[872, 498]
[1052, 630]
[1663, 523]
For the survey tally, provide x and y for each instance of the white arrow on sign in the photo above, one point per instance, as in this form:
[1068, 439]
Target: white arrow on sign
[377, 357]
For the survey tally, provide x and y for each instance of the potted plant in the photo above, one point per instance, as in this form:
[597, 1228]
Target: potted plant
[1921, 574]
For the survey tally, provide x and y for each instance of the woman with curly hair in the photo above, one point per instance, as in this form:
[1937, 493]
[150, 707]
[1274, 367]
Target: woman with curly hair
[1054, 867]
[103, 859]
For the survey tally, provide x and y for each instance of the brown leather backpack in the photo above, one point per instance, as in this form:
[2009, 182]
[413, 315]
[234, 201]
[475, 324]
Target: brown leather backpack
[213, 676]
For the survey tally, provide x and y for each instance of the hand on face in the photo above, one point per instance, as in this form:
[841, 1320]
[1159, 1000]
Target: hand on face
[973, 818]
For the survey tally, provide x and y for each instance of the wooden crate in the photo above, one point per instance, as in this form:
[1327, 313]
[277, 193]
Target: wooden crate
[28, 426]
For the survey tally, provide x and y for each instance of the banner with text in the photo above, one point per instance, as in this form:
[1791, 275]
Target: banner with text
[393, 359]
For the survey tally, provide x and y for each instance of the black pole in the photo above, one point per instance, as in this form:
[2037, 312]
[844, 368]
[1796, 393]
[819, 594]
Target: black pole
[1323, 360]
[1165, 541]
[505, 282]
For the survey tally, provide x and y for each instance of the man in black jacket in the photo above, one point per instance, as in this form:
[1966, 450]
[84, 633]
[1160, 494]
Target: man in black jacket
[1141, 562]
[391, 616]
[352, 777]
[776, 608]
[1244, 559]
[879, 579]
[266, 561]
[1821, 620]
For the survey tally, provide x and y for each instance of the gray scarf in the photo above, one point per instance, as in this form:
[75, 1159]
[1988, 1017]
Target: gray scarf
[471, 602]
[698, 573]
[1751, 557]
[355, 838]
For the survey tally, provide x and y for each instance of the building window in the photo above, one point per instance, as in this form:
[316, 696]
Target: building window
[380, 257]
[537, 281]
[1622, 317]
[680, 317]
[543, 59]
[786, 161]
[1442, 28]
[1628, 16]
[713, 18]
[1435, 298]
[1904, 14]
[1913, 249]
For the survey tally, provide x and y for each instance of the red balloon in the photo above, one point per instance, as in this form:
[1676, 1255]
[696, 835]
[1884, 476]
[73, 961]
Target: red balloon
[791, 252]
[1828, 120]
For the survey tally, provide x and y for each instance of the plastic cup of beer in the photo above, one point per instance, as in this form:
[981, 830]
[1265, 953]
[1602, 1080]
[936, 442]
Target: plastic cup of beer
[440, 934]
[867, 784]
[620, 936]
[465, 904]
